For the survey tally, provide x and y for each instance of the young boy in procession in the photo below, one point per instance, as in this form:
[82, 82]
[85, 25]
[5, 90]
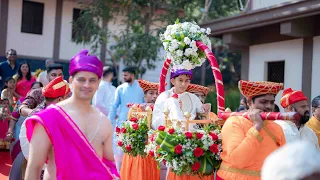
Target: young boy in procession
[143, 168]
[247, 142]
[73, 137]
[177, 100]
[296, 101]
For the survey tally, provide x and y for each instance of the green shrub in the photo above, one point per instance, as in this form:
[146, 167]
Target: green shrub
[232, 100]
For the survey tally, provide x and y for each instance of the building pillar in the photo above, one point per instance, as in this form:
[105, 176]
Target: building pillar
[57, 30]
[4, 7]
[307, 66]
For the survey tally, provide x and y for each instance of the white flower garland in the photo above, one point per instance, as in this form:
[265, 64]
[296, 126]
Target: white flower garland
[179, 41]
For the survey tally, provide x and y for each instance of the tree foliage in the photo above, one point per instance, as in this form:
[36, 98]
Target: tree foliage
[138, 43]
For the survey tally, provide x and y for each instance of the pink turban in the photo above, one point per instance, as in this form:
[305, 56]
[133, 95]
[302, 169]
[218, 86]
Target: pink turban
[85, 62]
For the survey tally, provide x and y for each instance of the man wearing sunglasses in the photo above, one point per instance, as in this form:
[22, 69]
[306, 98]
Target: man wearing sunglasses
[8, 68]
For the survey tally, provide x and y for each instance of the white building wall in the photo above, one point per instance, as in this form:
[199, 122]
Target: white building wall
[315, 89]
[289, 51]
[68, 48]
[258, 4]
[31, 44]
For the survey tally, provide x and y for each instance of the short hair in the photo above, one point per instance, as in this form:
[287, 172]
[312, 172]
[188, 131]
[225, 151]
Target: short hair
[12, 51]
[241, 108]
[316, 102]
[48, 60]
[107, 70]
[54, 67]
[36, 82]
[129, 69]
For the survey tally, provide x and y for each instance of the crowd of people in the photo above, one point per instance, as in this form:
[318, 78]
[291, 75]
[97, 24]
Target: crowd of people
[58, 129]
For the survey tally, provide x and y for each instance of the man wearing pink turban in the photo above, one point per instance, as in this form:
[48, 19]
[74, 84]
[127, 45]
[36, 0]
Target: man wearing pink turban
[73, 137]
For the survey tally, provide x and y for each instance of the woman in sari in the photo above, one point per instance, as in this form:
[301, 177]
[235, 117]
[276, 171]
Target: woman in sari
[15, 125]
[24, 79]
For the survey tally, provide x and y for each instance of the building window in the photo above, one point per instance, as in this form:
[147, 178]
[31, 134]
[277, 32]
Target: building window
[76, 15]
[32, 17]
[276, 71]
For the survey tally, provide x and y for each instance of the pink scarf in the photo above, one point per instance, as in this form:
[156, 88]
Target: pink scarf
[75, 158]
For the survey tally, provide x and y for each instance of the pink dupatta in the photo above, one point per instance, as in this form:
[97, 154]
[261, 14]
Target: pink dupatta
[75, 158]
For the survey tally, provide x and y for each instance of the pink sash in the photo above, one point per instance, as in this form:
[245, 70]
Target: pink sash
[75, 158]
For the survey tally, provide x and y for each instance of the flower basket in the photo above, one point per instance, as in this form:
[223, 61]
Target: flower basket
[132, 136]
[186, 153]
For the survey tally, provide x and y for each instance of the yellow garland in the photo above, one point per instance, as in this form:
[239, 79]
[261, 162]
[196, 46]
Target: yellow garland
[37, 72]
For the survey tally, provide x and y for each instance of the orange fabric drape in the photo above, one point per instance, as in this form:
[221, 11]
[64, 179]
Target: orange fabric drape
[139, 168]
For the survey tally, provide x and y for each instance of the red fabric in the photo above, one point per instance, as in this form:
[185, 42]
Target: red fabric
[56, 88]
[290, 96]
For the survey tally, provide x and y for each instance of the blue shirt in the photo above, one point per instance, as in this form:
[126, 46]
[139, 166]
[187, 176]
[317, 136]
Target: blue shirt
[125, 93]
[7, 71]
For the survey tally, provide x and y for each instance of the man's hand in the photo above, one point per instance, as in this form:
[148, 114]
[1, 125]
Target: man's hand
[206, 108]
[25, 111]
[254, 115]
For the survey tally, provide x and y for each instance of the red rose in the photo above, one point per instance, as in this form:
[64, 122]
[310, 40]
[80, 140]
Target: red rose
[171, 131]
[123, 130]
[117, 129]
[213, 136]
[164, 162]
[120, 143]
[161, 128]
[151, 153]
[133, 119]
[175, 96]
[214, 148]
[199, 135]
[178, 149]
[188, 135]
[128, 148]
[198, 152]
[135, 126]
[196, 166]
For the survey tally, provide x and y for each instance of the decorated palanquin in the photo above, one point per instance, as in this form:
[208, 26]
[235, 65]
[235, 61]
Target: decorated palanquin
[132, 138]
[190, 148]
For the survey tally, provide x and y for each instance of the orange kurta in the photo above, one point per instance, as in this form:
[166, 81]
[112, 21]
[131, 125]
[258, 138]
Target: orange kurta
[245, 148]
[314, 124]
[139, 168]
[173, 176]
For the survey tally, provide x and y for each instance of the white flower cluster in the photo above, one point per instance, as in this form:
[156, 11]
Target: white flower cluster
[179, 41]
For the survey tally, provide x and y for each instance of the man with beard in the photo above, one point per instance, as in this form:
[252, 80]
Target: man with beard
[247, 142]
[296, 101]
[128, 92]
[314, 122]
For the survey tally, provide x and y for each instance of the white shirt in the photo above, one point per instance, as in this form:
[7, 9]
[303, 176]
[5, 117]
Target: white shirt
[42, 77]
[104, 96]
[190, 103]
[292, 133]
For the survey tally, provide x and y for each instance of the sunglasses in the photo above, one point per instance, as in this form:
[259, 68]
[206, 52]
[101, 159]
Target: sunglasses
[12, 54]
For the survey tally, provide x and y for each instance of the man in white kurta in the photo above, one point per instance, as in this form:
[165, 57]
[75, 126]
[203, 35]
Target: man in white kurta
[177, 101]
[106, 91]
[296, 101]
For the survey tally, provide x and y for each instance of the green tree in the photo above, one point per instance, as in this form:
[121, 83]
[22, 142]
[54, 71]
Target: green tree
[138, 44]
